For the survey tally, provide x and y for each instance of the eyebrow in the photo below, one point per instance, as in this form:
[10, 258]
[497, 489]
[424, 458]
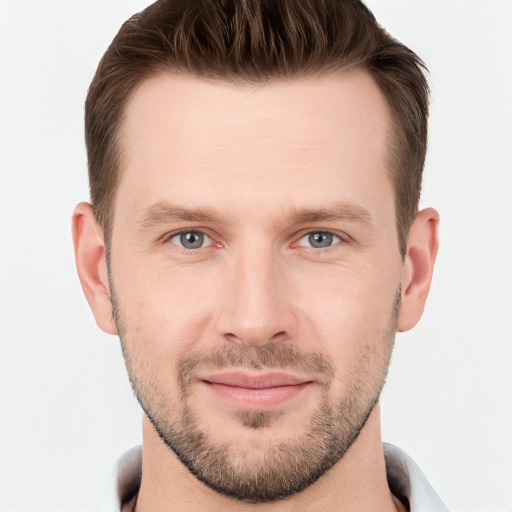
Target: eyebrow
[163, 212]
[338, 211]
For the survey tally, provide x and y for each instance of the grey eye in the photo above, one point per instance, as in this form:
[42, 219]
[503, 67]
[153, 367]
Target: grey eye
[190, 239]
[319, 240]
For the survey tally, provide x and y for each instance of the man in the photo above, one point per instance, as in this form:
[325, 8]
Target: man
[254, 240]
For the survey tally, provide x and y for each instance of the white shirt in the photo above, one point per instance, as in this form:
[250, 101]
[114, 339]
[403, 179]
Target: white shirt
[404, 477]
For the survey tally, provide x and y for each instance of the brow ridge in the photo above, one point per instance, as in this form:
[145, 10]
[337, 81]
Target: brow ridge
[339, 211]
[162, 212]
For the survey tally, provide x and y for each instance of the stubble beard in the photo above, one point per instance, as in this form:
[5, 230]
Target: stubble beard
[259, 471]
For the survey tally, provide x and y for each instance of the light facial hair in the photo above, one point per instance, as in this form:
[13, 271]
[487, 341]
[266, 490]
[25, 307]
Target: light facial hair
[260, 471]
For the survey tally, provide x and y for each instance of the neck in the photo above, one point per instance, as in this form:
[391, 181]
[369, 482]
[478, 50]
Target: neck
[357, 482]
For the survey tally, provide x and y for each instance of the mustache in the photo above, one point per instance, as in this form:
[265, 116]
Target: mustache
[284, 356]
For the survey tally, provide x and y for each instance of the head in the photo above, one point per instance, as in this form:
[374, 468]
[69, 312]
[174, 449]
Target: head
[255, 169]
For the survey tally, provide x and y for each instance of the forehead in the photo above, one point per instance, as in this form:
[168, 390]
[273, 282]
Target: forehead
[182, 132]
[348, 103]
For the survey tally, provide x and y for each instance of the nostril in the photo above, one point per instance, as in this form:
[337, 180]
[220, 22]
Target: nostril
[279, 336]
[257, 339]
[233, 337]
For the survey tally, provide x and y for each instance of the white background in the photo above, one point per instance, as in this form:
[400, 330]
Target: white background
[66, 407]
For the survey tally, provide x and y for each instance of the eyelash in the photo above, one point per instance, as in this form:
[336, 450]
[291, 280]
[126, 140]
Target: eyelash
[184, 250]
[316, 250]
[342, 238]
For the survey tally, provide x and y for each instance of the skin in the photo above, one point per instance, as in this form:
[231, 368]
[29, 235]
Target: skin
[262, 161]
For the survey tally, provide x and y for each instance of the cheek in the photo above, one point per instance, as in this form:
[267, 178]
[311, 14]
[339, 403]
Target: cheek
[362, 293]
[350, 309]
[166, 309]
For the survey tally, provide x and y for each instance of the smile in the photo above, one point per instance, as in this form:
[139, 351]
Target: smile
[255, 392]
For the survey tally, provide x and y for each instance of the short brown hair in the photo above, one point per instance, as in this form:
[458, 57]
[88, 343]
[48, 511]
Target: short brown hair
[256, 41]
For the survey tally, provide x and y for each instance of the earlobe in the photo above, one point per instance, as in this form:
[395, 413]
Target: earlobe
[422, 246]
[91, 265]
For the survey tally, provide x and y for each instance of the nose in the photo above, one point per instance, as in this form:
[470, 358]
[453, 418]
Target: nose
[257, 302]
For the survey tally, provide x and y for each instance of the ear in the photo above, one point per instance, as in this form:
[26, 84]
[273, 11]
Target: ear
[92, 265]
[422, 246]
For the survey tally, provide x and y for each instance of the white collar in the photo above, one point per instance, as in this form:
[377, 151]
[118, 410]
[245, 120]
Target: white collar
[406, 480]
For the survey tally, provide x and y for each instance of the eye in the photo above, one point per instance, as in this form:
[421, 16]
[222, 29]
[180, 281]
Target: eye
[190, 240]
[319, 240]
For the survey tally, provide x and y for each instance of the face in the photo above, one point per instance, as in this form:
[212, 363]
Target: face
[255, 272]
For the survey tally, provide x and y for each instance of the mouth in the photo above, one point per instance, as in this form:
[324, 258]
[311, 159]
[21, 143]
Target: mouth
[255, 392]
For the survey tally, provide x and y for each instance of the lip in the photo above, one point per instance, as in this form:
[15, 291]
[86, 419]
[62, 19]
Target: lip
[255, 392]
